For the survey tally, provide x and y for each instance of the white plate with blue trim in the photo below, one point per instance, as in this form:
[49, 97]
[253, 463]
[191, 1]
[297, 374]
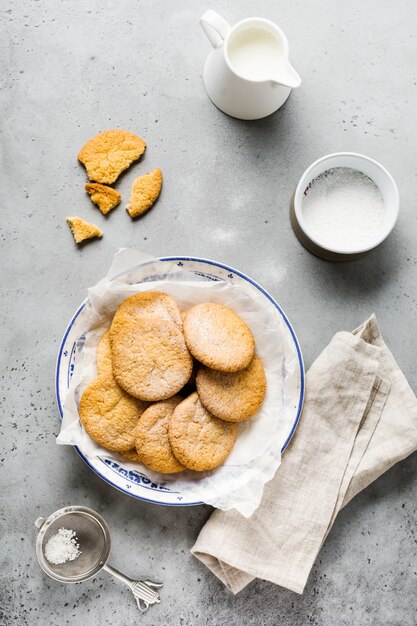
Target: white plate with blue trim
[136, 483]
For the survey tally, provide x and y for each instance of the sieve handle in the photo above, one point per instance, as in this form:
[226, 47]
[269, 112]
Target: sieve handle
[144, 591]
[114, 572]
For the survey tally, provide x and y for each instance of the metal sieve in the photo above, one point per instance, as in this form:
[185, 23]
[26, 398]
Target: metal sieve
[93, 535]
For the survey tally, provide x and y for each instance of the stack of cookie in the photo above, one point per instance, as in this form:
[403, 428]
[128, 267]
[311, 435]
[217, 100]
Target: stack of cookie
[172, 386]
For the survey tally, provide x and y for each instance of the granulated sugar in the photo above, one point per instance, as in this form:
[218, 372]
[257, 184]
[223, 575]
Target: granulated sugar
[62, 547]
[343, 208]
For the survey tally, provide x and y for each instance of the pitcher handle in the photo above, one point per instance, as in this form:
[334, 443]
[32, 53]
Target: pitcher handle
[215, 27]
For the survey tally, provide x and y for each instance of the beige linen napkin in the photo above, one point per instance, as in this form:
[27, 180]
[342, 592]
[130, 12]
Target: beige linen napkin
[359, 419]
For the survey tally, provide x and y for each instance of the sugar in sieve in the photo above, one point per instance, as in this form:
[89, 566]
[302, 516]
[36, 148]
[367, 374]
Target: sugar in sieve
[93, 535]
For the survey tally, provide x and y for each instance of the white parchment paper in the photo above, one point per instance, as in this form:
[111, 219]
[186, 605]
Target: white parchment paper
[239, 482]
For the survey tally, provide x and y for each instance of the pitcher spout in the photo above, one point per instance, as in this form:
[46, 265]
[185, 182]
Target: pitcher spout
[288, 77]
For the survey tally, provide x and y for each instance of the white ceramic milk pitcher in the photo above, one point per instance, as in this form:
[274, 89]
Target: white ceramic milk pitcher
[247, 74]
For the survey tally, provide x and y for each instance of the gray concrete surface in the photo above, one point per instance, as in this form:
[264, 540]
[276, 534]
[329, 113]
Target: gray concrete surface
[70, 69]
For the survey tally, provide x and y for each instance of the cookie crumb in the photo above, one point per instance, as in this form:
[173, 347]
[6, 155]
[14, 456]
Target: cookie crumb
[145, 191]
[82, 230]
[106, 198]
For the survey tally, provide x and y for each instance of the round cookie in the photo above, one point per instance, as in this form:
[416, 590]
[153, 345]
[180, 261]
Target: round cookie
[109, 414]
[232, 396]
[199, 440]
[218, 338]
[151, 437]
[150, 358]
[155, 304]
[103, 357]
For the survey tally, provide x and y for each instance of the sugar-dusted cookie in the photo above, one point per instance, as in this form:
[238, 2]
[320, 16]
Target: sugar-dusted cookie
[103, 356]
[232, 396]
[108, 154]
[199, 440]
[153, 304]
[145, 191]
[151, 437]
[106, 198]
[82, 230]
[217, 337]
[109, 414]
[150, 358]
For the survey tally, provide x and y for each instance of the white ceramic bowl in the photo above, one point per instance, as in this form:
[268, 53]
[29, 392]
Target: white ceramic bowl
[381, 177]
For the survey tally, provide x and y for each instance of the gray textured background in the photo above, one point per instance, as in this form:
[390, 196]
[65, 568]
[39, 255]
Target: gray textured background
[71, 69]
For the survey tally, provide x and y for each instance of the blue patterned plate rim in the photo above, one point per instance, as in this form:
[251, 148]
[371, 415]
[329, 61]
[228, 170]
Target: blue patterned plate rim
[233, 271]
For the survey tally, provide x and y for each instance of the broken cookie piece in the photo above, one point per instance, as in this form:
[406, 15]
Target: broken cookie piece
[83, 230]
[108, 154]
[145, 191]
[106, 198]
